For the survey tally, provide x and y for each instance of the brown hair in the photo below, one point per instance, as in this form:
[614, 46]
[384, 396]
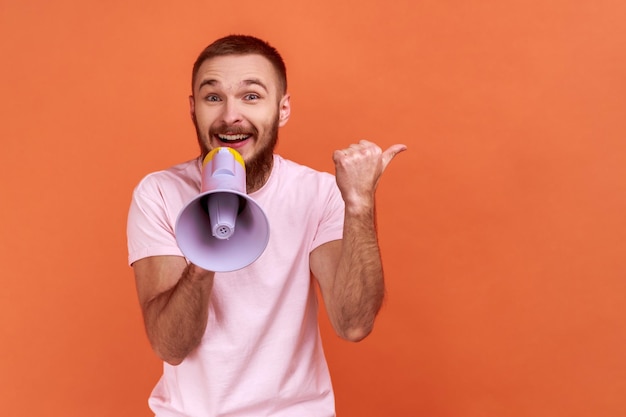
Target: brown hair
[242, 45]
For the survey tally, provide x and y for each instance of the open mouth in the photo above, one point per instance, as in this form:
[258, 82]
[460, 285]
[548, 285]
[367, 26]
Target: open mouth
[233, 138]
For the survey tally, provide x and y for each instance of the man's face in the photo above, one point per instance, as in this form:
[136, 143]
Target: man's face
[236, 102]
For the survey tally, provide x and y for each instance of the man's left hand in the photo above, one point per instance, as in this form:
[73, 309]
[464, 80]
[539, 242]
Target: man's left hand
[359, 168]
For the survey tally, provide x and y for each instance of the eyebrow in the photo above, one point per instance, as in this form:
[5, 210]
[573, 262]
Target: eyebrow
[256, 81]
[251, 81]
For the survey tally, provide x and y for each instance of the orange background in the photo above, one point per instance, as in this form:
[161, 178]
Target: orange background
[502, 228]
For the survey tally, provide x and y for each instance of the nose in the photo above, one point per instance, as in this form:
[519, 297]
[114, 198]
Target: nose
[231, 113]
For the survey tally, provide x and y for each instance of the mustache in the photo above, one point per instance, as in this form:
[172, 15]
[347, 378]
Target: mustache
[224, 129]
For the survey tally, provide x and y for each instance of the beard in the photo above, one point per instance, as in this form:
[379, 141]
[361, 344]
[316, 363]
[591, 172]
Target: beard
[259, 165]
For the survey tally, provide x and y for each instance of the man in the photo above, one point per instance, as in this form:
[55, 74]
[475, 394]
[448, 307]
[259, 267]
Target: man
[246, 343]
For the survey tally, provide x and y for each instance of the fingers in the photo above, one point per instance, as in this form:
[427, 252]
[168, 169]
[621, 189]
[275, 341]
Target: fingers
[367, 147]
[358, 169]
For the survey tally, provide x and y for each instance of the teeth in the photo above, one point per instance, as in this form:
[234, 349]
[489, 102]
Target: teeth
[232, 138]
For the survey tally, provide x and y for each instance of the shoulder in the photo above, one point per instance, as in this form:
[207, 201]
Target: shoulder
[293, 184]
[180, 176]
[287, 169]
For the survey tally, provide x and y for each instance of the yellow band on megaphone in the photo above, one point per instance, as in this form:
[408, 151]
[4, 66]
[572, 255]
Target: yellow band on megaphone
[236, 155]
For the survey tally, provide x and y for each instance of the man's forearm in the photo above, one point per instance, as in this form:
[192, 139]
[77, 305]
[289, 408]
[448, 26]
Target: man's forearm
[176, 319]
[359, 285]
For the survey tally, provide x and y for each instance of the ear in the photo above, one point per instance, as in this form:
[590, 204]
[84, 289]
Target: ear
[192, 108]
[284, 110]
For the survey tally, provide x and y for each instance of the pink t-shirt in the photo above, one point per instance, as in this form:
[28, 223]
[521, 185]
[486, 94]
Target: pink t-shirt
[261, 354]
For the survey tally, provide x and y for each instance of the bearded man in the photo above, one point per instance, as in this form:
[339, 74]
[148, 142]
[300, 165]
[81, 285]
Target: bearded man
[247, 343]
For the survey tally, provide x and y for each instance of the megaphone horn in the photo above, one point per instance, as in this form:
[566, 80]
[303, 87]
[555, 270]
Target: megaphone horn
[222, 229]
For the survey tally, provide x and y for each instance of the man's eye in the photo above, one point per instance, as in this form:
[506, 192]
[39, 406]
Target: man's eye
[252, 96]
[212, 98]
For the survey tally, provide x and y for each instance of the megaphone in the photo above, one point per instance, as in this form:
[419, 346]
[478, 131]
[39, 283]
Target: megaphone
[222, 229]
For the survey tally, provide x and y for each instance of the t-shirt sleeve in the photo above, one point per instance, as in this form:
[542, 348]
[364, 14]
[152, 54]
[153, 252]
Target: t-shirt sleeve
[332, 213]
[150, 231]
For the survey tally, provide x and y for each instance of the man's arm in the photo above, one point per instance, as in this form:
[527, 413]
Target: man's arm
[350, 271]
[174, 299]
